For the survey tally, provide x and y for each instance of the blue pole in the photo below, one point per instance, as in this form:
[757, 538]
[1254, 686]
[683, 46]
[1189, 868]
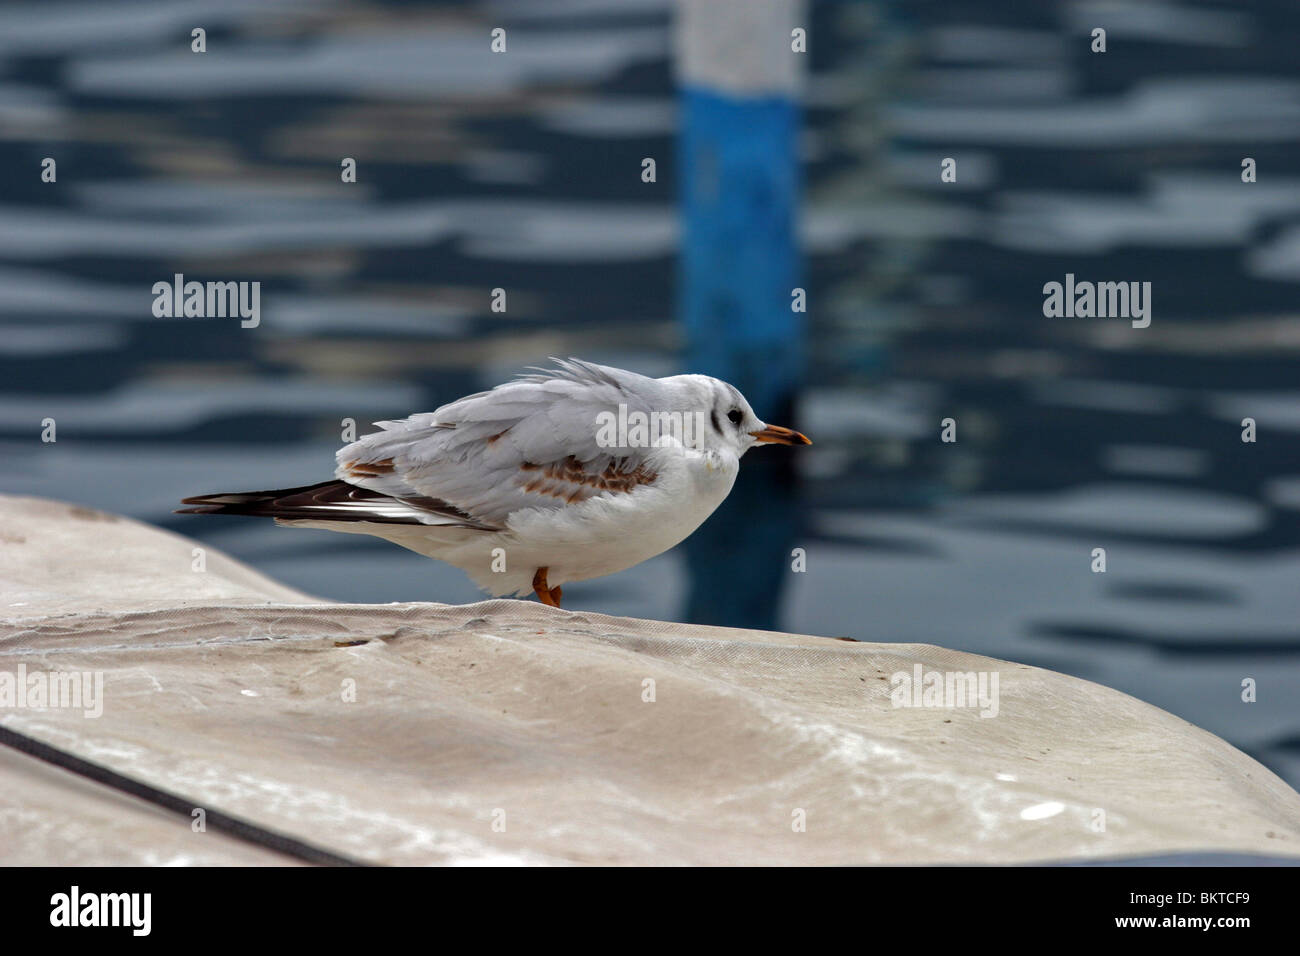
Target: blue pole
[739, 186]
[740, 263]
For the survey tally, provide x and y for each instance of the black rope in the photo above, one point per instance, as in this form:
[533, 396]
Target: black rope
[222, 822]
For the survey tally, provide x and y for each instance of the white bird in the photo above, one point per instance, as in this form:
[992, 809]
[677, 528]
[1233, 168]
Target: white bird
[562, 475]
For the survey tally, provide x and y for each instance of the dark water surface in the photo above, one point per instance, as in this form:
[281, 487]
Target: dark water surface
[522, 172]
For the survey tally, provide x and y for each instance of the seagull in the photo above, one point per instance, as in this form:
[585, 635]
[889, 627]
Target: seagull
[563, 474]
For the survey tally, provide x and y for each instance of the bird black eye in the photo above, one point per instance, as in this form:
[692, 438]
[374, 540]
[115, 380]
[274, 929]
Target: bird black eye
[734, 416]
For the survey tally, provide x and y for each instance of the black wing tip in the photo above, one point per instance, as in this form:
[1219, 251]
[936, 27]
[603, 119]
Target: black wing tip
[335, 500]
[241, 502]
[224, 503]
[236, 497]
[215, 509]
[204, 505]
[202, 499]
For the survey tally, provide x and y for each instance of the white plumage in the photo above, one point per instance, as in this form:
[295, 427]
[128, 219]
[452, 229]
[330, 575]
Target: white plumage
[522, 482]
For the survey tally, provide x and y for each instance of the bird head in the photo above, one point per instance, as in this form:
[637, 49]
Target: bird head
[729, 421]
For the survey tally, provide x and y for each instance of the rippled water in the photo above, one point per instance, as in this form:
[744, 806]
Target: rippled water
[522, 172]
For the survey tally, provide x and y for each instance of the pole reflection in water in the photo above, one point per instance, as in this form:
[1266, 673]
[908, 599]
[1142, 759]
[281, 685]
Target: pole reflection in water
[739, 280]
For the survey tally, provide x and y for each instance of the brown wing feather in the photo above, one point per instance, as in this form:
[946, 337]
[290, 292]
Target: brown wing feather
[570, 480]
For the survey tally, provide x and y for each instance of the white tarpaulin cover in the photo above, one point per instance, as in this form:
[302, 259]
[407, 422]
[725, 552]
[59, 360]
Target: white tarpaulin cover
[507, 731]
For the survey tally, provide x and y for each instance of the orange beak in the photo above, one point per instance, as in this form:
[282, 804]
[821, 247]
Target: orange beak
[782, 436]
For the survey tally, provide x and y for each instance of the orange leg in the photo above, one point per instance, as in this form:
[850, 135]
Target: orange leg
[545, 593]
